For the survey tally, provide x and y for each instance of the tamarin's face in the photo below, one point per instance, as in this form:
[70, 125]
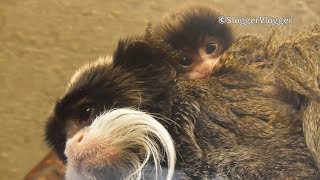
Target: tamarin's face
[125, 80]
[195, 30]
[95, 148]
[198, 63]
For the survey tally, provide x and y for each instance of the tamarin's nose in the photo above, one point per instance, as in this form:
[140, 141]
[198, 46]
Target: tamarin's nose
[207, 66]
[79, 136]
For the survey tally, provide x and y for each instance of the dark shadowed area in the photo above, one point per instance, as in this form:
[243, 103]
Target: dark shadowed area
[42, 43]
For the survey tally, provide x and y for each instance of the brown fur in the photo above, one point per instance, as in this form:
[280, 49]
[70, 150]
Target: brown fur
[298, 69]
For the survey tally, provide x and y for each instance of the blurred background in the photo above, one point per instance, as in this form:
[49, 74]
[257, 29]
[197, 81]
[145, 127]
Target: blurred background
[43, 42]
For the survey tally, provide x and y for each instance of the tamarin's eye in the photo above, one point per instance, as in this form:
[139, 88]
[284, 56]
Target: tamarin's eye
[186, 61]
[211, 48]
[86, 112]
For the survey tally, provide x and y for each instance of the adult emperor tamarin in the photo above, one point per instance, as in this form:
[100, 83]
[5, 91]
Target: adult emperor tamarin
[256, 117]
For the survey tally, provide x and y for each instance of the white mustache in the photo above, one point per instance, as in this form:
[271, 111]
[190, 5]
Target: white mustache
[119, 144]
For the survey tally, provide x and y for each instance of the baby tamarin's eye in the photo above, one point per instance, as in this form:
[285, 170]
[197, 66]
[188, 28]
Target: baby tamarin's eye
[186, 61]
[211, 48]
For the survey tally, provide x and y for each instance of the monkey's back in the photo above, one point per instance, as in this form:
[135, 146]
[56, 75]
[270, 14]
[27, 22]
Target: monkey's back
[246, 121]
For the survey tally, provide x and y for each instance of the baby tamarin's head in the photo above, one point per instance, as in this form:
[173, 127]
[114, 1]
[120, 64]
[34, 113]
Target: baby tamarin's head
[196, 31]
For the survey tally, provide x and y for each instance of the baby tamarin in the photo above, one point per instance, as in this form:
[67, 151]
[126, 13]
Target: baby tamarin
[196, 31]
[234, 124]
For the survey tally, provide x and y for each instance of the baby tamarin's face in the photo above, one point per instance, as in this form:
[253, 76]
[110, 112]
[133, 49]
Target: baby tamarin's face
[198, 63]
[196, 31]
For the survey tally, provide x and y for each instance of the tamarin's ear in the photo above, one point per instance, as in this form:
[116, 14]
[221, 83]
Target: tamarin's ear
[135, 54]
